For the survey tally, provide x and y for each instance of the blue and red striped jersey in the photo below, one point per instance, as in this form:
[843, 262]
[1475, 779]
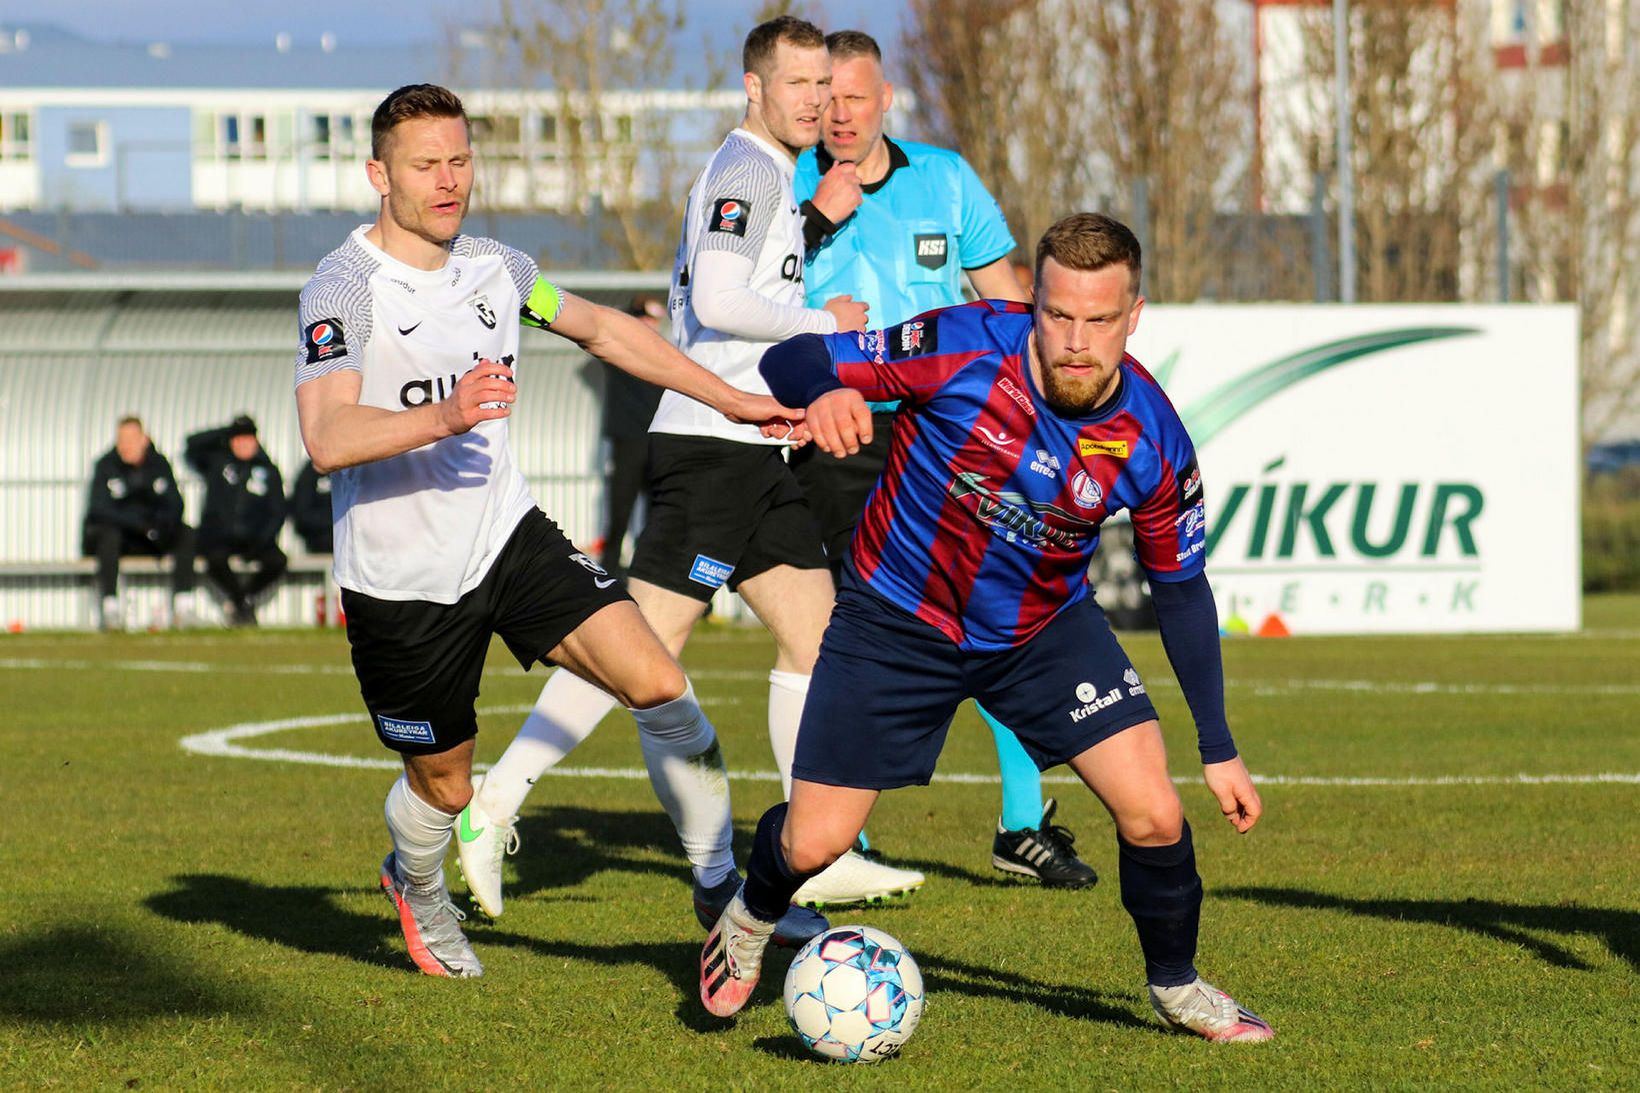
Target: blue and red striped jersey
[989, 508]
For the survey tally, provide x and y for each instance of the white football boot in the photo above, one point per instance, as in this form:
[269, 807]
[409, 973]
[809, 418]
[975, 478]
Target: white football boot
[481, 842]
[855, 878]
[1202, 1008]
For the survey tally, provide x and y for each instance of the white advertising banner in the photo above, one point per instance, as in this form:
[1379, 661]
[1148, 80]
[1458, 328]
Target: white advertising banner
[1382, 469]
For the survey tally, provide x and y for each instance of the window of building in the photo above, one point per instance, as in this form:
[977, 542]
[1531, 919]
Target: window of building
[230, 136]
[257, 126]
[546, 136]
[15, 142]
[87, 144]
[319, 136]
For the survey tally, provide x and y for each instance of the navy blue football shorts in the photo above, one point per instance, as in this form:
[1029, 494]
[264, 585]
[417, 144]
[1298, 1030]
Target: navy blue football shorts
[887, 685]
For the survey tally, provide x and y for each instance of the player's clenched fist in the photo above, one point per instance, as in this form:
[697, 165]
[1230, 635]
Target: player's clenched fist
[839, 192]
[485, 393]
[849, 312]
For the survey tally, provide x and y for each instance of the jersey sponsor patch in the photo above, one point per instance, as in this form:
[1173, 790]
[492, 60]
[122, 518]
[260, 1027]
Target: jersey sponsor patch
[709, 571]
[729, 214]
[407, 732]
[1190, 484]
[1117, 448]
[324, 340]
[930, 250]
[871, 344]
[917, 338]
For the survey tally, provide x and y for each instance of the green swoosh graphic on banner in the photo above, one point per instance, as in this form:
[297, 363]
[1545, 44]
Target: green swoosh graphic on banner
[1213, 412]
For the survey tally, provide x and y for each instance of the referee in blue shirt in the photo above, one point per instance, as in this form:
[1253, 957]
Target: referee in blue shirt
[896, 224]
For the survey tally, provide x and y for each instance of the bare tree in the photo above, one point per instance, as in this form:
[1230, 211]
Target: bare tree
[1573, 151]
[1141, 107]
[616, 126]
[1422, 132]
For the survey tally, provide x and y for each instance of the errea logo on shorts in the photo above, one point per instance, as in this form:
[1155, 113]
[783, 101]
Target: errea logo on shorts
[709, 571]
[1093, 701]
[406, 732]
[1135, 686]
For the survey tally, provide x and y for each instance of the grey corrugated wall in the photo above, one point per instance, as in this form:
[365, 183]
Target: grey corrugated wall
[186, 352]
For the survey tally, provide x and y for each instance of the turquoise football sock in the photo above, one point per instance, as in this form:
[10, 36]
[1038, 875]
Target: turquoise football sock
[1021, 781]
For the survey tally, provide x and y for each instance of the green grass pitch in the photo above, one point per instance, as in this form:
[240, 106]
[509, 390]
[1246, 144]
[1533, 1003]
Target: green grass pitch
[1411, 911]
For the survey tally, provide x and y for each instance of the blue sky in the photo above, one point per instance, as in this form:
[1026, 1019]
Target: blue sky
[363, 20]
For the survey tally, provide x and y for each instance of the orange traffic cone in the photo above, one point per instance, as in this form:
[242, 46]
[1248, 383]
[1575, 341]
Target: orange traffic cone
[1273, 627]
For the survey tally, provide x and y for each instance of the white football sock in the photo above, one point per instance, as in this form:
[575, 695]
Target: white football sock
[787, 693]
[566, 713]
[421, 834]
[686, 769]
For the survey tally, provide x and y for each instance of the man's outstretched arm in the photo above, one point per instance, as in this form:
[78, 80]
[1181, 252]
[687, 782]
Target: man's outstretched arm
[1189, 623]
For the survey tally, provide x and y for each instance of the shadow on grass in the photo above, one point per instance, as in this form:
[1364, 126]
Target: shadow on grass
[561, 847]
[944, 977]
[307, 918]
[75, 974]
[311, 919]
[1620, 930]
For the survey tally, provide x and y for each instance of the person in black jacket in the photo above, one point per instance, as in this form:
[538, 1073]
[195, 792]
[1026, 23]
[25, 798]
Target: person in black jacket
[629, 406]
[244, 510]
[135, 508]
[310, 510]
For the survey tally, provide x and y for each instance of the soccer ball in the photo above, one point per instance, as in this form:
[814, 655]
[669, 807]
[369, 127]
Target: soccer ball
[854, 994]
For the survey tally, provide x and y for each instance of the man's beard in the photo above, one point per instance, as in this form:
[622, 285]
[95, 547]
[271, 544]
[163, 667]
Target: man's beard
[1074, 397]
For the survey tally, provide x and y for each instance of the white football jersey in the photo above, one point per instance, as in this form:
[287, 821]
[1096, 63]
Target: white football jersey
[429, 523]
[741, 203]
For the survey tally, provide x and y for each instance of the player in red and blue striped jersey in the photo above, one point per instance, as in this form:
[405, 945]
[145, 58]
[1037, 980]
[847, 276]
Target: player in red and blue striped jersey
[1021, 430]
[989, 510]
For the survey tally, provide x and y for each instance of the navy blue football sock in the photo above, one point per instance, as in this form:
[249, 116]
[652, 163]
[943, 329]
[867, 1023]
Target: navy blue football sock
[1163, 892]
[770, 882]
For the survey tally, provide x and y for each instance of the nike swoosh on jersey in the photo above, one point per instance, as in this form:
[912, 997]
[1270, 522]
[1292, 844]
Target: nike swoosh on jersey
[604, 583]
[409, 329]
[467, 833]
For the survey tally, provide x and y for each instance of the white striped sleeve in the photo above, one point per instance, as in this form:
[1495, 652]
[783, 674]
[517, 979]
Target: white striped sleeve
[335, 317]
[740, 200]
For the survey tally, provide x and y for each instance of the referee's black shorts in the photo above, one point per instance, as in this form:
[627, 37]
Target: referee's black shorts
[838, 489]
[419, 662]
[721, 512]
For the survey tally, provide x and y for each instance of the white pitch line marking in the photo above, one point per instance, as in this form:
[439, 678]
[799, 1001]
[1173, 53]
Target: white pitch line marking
[225, 743]
[1263, 688]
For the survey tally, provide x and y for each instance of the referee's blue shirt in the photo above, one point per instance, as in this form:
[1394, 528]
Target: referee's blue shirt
[904, 249]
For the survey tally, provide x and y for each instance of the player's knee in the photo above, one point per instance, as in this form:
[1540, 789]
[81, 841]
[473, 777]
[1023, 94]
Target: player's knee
[810, 852]
[447, 794]
[1161, 823]
[655, 688]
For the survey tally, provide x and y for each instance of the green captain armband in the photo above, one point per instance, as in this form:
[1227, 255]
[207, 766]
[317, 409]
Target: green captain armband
[543, 305]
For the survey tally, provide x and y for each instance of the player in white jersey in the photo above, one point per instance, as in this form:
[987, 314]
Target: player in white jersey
[404, 384]
[724, 508]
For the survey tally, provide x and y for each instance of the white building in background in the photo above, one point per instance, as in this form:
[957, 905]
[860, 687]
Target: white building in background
[1526, 40]
[285, 125]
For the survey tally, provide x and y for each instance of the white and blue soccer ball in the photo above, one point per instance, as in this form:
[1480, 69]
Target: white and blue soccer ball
[854, 994]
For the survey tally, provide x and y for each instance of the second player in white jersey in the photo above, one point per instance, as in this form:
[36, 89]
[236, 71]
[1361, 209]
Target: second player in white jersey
[737, 283]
